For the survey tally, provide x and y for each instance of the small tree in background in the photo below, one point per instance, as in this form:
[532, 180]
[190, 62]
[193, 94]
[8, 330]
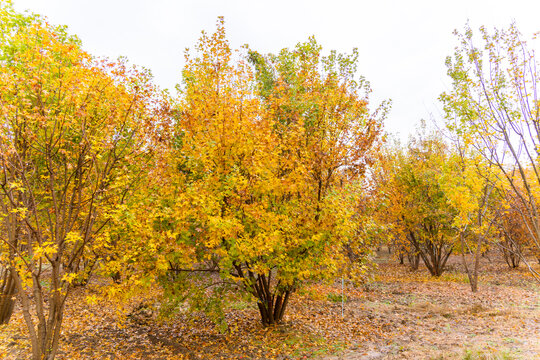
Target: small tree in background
[416, 205]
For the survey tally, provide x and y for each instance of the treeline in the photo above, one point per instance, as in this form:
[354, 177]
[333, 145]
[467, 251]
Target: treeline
[264, 172]
[474, 184]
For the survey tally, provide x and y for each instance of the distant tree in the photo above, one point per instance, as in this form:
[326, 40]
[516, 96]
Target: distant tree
[513, 240]
[416, 205]
[467, 181]
[386, 197]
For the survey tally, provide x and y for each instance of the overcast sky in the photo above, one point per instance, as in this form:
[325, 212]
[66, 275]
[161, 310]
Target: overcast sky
[402, 44]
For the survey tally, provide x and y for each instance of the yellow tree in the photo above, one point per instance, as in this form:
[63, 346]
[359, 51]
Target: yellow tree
[468, 182]
[263, 192]
[416, 206]
[9, 24]
[324, 126]
[70, 139]
[513, 238]
[326, 133]
[387, 203]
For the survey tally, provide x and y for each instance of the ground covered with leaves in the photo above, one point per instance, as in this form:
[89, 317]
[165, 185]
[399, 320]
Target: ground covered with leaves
[399, 315]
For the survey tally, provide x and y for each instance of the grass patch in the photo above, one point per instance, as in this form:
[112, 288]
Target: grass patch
[337, 298]
[455, 277]
[241, 305]
[490, 355]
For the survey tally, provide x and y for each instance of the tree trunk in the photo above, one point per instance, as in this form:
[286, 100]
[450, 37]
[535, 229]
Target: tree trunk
[472, 274]
[414, 260]
[511, 252]
[272, 304]
[434, 252]
[272, 310]
[45, 335]
[272, 298]
[8, 290]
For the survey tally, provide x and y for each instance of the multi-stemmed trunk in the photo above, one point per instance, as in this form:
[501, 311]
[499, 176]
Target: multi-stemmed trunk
[401, 258]
[271, 303]
[272, 297]
[434, 252]
[414, 260]
[45, 332]
[512, 252]
[272, 308]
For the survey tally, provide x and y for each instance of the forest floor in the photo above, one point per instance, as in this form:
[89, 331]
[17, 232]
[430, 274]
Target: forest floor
[398, 315]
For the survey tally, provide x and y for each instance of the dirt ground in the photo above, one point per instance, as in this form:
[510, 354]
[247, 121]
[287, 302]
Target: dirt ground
[398, 315]
[442, 319]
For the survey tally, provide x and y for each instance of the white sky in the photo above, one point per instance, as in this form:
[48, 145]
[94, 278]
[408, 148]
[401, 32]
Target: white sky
[402, 44]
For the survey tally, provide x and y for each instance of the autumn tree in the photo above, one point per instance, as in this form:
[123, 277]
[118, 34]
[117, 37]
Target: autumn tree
[263, 173]
[468, 182]
[385, 197]
[494, 102]
[69, 138]
[513, 237]
[9, 25]
[416, 206]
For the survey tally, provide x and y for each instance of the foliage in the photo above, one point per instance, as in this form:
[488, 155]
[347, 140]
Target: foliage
[259, 183]
[267, 174]
[70, 139]
[493, 107]
[415, 205]
[513, 237]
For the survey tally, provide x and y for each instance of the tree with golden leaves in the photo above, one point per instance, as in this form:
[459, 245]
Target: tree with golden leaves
[264, 172]
[70, 141]
[415, 206]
